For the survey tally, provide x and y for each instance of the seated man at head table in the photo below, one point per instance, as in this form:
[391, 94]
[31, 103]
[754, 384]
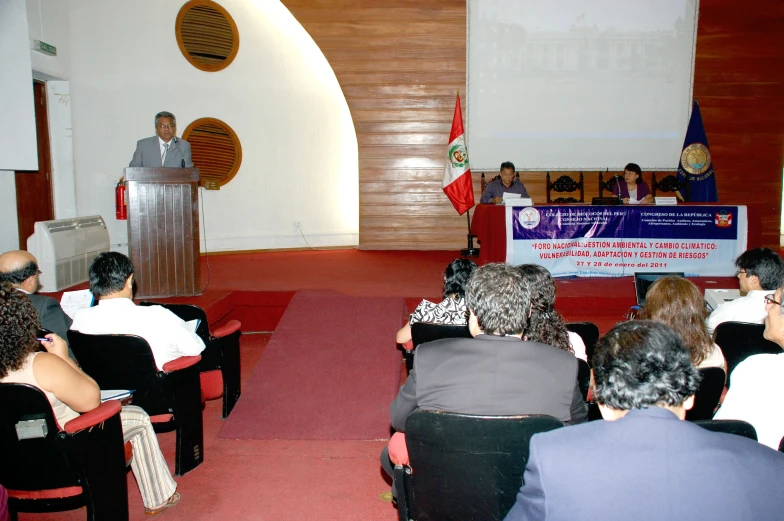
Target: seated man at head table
[505, 184]
[644, 461]
[20, 269]
[111, 281]
[496, 372]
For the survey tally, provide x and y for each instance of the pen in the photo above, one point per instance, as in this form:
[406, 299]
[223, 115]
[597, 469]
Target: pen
[44, 339]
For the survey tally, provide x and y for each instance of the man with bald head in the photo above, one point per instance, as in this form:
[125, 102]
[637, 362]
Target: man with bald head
[20, 268]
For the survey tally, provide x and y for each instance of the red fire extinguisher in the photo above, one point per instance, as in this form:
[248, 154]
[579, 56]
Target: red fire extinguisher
[121, 210]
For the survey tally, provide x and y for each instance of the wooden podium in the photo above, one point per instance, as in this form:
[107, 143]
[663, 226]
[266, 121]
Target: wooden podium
[163, 230]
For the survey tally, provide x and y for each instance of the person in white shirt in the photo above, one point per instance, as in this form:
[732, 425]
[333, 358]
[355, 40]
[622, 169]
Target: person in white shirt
[111, 281]
[759, 272]
[757, 387]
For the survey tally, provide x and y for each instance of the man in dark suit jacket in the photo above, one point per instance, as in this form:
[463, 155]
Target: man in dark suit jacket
[164, 148]
[496, 372]
[645, 462]
[20, 268]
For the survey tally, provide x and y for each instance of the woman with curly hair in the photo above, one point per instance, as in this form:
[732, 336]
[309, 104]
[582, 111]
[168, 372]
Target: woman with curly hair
[450, 311]
[70, 391]
[546, 325]
[678, 303]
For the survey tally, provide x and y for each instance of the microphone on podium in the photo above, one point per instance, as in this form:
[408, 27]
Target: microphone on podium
[182, 156]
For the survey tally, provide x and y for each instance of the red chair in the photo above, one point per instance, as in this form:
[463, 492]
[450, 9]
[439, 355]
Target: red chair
[47, 467]
[220, 360]
[171, 397]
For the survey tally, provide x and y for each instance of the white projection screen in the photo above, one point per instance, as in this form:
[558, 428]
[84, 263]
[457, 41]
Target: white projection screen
[579, 84]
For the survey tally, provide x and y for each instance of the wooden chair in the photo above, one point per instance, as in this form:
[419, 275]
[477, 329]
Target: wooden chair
[608, 185]
[46, 467]
[172, 397]
[464, 466]
[589, 332]
[670, 184]
[220, 361]
[483, 183]
[737, 427]
[422, 332]
[565, 184]
[708, 395]
[740, 340]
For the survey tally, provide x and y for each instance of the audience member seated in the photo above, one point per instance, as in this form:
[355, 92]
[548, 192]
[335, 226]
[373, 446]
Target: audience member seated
[505, 184]
[678, 303]
[546, 325]
[111, 281]
[645, 462]
[71, 392]
[634, 190]
[20, 269]
[496, 372]
[757, 386]
[759, 272]
[450, 311]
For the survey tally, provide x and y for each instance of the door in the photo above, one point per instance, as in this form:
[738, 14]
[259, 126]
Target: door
[34, 189]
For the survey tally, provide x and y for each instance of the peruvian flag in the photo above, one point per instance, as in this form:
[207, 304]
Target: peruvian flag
[457, 184]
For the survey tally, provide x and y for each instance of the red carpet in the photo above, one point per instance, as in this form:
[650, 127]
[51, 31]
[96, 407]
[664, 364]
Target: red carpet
[294, 394]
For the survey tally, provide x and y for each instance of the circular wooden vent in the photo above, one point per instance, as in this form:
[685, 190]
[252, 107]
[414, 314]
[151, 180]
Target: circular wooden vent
[216, 151]
[207, 35]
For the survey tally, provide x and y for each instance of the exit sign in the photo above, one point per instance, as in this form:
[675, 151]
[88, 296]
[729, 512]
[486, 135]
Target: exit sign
[44, 48]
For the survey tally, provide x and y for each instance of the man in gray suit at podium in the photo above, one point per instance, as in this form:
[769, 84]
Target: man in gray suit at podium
[164, 148]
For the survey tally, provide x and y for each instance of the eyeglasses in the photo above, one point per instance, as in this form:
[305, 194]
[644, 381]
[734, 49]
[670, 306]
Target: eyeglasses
[770, 300]
[168, 127]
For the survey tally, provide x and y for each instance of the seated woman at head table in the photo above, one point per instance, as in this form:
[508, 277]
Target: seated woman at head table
[633, 190]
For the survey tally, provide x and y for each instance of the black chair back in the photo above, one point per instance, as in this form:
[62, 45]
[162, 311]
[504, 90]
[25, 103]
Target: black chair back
[93, 459]
[220, 353]
[609, 184]
[708, 395]
[464, 466]
[583, 377]
[737, 427]
[565, 184]
[422, 332]
[740, 340]
[670, 184]
[124, 362]
[589, 332]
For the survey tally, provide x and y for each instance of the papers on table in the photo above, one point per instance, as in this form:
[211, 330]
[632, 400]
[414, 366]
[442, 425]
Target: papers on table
[115, 394]
[73, 301]
[517, 200]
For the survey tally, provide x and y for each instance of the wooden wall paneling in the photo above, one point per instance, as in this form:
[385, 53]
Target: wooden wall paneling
[399, 66]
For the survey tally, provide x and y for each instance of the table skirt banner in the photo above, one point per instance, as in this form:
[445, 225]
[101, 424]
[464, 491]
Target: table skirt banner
[600, 241]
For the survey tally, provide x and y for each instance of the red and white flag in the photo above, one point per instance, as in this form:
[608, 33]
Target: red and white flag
[457, 184]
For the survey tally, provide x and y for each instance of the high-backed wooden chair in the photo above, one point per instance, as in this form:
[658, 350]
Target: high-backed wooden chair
[464, 466]
[565, 185]
[609, 184]
[172, 397]
[670, 184]
[740, 340]
[708, 395]
[220, 361]
[483, 183]
[48, 467]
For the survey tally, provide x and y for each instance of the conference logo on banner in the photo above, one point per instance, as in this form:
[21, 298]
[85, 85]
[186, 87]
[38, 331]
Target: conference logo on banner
[529, 218]
[723, 219]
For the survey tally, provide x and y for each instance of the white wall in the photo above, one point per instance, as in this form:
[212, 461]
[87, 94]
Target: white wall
[299, 149]
[17, 116]
[9, 227]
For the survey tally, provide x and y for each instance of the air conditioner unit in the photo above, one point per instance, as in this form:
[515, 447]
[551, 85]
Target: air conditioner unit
[65, 248]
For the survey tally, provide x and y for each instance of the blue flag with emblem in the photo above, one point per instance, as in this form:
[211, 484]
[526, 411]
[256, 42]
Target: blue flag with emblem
[696, 165]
